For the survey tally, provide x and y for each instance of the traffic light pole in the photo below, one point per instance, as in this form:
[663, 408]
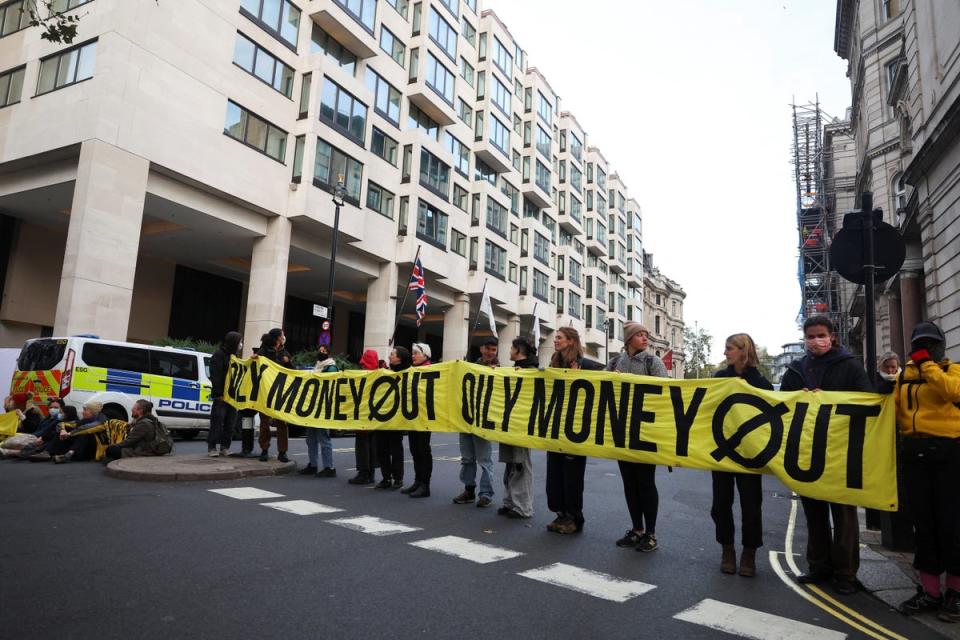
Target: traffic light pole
[869, 277]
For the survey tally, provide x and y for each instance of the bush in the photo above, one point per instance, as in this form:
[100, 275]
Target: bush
[310, 357]
[187, 343]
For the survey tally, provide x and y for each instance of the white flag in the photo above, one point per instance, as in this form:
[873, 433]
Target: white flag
[536, 327]
[487, 308]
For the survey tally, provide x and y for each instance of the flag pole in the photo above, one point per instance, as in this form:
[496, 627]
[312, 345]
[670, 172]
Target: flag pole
[406, 290]
[476, 320]
[534, 318]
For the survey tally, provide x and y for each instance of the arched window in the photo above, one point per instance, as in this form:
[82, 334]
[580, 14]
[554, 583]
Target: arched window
[899, 192]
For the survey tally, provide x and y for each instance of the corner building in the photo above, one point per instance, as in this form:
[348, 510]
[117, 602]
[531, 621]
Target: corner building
[170, 173]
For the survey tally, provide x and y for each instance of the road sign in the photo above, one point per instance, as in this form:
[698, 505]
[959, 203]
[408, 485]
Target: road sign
[319, 311]
[847, 254]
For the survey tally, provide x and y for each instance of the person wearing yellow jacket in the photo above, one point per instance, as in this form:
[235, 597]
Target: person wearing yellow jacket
[928, 415]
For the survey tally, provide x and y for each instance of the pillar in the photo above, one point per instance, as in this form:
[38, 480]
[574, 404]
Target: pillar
[456, 328]
[103, 241]
[507, 336]
[896, 324]
[381, 311]
[911, 302]
[546, 350]
[267, 290]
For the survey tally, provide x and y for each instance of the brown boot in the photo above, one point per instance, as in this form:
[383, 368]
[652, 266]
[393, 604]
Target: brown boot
[748, 562]
[728, 561]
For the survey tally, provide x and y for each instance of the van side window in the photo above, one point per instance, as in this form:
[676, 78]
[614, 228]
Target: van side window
[206, 366]
[113, 357]
[175, 365]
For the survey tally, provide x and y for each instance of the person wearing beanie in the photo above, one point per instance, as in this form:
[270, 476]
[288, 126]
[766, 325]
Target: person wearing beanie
[420, 440]
[474, 450]
[364, 446]
[388, 441]
[223, 417]
[927, 396]
[639, 479]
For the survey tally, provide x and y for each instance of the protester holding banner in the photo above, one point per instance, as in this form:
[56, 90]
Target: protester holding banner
[742, 362]
[888, 369]
[364, 447]
[828, 366]
[271, 347]
[390, 443]
[476, 451]
[639, 479]
[518, 473]
[320, 438]
[223, 417]
[927, 397]
[420, 440]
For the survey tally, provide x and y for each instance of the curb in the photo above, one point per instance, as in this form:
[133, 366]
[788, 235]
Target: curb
[190, 468]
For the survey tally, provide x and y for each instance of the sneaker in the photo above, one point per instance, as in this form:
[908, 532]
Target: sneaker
[59, 459]
[630, 539]
[813, 577]
[397, 484]
[224, 452]
[327, 472]
[423, 491]
[212, 453]
[552, 526]
[920, 602]
[950, 611]
[502, 511]
[383, 484]
[845, 586]
[282, 457]
[308, 470]
[360, 478]
[568, 526]
[515, 515]
[264, 456]
[466, 497]
[648, 542]
[43, 456]
[484, 502]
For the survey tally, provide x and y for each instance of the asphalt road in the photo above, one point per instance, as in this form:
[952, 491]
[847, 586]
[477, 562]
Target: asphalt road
[86, 556]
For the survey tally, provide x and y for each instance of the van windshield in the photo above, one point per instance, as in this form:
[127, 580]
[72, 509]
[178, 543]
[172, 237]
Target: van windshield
[41, 355]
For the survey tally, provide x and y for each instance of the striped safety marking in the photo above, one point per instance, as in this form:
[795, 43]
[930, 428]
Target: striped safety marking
[749, 623]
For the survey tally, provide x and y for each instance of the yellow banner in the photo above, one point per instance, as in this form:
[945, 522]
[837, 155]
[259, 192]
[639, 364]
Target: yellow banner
[828, 445]
[9, 423]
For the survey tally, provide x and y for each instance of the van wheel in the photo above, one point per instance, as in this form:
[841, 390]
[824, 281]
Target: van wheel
[115, 412]
[187, 434]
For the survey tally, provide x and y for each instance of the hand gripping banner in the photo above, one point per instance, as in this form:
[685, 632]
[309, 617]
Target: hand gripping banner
[832, 446]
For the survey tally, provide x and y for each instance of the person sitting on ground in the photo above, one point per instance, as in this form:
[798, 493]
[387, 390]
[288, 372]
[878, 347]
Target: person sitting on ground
[69, 448]
[22, 403]
[46, 431]
[320, 438]
[141, 440]
[888, 368]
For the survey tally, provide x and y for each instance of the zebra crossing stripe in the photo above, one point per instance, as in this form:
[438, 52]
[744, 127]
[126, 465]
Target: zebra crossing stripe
[246, 493]
[467, 549]
[749, 623]
[592, 583]
[373, 525]
[301, 507]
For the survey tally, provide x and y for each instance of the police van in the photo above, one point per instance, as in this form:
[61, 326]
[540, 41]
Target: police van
[84, 368]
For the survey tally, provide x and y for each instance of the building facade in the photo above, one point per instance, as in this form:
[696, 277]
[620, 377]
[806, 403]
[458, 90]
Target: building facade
[663, 316]
[178, 180]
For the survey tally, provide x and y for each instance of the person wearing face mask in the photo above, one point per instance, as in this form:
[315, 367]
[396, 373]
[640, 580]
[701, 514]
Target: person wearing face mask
[828, 366]
[46, 432]
[223, 417]
[420, 440]
[389, 443]
[927, 397]
[888, 368]
[271, 347]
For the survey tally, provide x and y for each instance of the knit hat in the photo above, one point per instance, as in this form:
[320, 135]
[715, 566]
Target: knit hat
[94, 407]
[631, 329]
[369, 360]
[422, 347]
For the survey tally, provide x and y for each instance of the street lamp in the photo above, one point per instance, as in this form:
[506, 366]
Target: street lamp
[338, 193]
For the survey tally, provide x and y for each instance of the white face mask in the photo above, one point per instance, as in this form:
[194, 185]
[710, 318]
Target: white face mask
[889, 377]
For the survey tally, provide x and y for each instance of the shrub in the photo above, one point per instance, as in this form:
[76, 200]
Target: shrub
[187, 343]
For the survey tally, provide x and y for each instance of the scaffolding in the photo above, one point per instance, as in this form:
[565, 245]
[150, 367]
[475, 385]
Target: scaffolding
[820, 286]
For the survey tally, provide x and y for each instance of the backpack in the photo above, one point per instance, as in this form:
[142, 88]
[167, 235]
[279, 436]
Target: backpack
[162, 442]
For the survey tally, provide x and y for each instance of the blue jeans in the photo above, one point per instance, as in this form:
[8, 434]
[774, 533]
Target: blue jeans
[473, 451]
[320, 437]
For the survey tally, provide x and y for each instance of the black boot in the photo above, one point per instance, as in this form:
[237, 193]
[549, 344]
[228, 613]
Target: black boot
[408, 490]
[423, 491]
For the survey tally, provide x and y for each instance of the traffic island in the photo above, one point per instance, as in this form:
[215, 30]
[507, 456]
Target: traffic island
[194, 467]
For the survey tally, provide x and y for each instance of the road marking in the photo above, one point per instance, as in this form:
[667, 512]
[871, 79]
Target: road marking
[372, 525]
[467, 549]
[247, 493]
[301, 507]
[592, 583]
[749, 623]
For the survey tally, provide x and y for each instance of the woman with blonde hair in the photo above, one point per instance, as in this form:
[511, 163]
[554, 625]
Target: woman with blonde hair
[742, 362]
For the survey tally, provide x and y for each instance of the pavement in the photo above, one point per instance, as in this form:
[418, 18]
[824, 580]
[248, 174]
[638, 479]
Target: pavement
[195, 467]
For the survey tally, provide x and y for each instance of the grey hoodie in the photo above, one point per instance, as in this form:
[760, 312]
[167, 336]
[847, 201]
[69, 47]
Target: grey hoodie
[642, 363]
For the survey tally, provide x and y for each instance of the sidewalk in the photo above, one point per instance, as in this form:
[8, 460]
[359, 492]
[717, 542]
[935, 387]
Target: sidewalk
[194, 467]
[889, 576]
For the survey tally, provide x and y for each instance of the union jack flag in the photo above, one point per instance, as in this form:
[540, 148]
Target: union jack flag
[417, 284]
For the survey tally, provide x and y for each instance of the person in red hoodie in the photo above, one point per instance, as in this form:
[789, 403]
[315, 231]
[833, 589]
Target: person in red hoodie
[364, 445]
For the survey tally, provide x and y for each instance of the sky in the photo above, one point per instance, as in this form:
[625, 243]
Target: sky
[689, 101]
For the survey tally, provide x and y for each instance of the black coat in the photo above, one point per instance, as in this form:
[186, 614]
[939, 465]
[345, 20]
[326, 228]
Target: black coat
[844, 374]
[219, 365]
[751, 374]
[591, 365]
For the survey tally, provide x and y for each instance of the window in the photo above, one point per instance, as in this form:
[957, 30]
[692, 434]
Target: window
[11, 86]
[392, 45]
[363, 11]
[469, 32]
[342, 111]
[443, 34]
[387, 102]
[452, 5]
[502, 57]
[576, 178]
[321, 41]
[13, 17]
[380, 200]
[544, 109]
[484, 172]
[481, 85]
[298, 146]
[899, 186]
[400, 6]
[384, 146]
[574, 272]
[66, 68]
[439, 78]
[541, 248]
[573, 304]
[891, 8]
[499, 135]
[466, 71]
[279, 18]
[496, 217]
[601, 179]
[460, 153]
[255, 132]
[541, 285]
[464, 111]
[431, 225]
[460, 197]
[458, 243]
[511, 192]
[123, 358]
[305, 84]
[656, 325]
[501, 96]
[495, 260]
[543, 142]
[434, 174]
[331, 164]
[258, 62]
[417, 119]
[543, 177]
[576, 147]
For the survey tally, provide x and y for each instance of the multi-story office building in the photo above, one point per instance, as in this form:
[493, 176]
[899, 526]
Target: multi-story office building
[663, 315]
[171, 172]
